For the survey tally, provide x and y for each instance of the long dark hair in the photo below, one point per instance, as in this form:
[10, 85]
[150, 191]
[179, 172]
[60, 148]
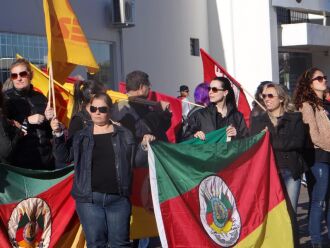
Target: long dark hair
[230, 98]
[304, 92]
[83, 93]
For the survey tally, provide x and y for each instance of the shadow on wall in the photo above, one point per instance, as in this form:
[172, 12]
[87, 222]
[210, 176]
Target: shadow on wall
[216, 49]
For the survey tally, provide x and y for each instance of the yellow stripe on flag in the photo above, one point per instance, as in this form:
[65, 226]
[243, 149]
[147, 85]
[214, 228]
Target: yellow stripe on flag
[275, 230]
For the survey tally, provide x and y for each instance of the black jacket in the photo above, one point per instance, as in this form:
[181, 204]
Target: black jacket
[206, 120]
[33, 151]
[81, 153]
[287, 138]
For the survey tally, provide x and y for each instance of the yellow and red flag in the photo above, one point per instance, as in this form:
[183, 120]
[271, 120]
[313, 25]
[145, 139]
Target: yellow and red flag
[67, 44]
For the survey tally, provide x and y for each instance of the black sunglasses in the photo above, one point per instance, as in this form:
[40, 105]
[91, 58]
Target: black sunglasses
[270, 96]
[102, 110]
[22, 74]
[320, 78]
[214, 89]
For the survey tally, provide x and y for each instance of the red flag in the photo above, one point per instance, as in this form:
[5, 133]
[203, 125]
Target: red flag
[212, 69]
[175, 106]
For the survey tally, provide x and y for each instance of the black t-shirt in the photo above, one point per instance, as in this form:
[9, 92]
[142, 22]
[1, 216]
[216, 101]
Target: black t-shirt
[321, 155]
[104, 177]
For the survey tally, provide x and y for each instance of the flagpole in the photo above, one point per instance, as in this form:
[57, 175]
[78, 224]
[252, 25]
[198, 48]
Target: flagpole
[260, 105]
[51, 83]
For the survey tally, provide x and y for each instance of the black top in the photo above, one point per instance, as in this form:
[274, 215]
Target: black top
[321, 155]
[104, 178]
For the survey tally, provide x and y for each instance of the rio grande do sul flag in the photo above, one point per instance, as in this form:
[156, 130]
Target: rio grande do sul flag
[219, 194]
[36, 209]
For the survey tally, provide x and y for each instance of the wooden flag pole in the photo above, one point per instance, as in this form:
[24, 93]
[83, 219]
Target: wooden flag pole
[52, 89]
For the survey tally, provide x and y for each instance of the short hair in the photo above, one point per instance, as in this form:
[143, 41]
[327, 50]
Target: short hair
[135, 79]
[24, 62]
[201, 94]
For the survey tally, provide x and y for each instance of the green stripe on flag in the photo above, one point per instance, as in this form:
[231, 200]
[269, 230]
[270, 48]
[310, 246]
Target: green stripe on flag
[17, 183]
[203, 160]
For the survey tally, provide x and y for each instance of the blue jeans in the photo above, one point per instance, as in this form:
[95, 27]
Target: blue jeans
[319, 198]
[292, 187]
[106, 220]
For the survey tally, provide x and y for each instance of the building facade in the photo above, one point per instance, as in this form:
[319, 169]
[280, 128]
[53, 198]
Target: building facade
[254, 40]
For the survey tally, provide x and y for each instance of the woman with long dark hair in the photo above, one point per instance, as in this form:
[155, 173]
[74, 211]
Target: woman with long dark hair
[222, 111]
[309, 98]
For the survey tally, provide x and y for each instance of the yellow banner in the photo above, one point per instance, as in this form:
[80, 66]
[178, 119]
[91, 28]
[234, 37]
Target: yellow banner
[67, 45]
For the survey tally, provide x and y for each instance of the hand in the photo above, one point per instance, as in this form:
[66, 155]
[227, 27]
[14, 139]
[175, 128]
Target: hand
[19, 126]
[164, 105]
[200, 135]
[36, 119]
[56, 125]
[49, 112]
[231, 131]
[147, 138]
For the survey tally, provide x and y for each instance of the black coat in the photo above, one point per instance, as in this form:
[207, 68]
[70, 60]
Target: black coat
[81, 152]
[205, 120]
[288, 140]
[34, 150]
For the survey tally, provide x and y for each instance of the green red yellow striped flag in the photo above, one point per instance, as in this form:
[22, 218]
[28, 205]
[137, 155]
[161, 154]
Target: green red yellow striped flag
[218, 194]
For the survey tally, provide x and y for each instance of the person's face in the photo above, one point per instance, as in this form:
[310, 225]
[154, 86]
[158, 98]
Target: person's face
[216, 92]
[20, 77]
[319, 83]
[271, 99]
[144, 90]
[99, 112]
[184, 93]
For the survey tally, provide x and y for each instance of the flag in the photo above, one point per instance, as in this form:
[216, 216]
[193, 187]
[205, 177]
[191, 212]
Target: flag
[67, 44]
[175, 107]
[208, 194]
[39, 212]
[212, 69]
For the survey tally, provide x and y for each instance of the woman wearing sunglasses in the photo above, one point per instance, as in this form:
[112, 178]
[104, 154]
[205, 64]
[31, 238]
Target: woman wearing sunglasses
[288, 136]
[221, 112]
[103, 155]
[310, 100]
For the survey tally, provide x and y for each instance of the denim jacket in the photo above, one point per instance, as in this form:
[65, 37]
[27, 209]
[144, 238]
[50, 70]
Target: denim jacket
[81, 154]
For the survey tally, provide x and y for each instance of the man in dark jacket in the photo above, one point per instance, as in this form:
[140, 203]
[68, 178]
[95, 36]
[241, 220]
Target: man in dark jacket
[27, 106]
[146, 122]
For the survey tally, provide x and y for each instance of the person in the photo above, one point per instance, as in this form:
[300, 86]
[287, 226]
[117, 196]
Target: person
[103, 155]
[146, 122]
[309, 99]
[27, 106]
[10, 133]
[8, 84]
[256, 109]
[184, 97]
[201, 97]
[288, 135]
[221, 112]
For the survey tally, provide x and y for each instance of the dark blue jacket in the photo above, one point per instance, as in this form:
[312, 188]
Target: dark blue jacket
[81, 154]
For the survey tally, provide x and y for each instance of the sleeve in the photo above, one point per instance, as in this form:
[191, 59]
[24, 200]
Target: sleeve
[254, 127]
[314, 131]
[63, 151]
[6, 144]
[241, 128]
[193, 126]
[75, 125]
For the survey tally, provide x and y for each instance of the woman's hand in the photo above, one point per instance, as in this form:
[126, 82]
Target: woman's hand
[49, 112]
[36, 119]
[200, 135]
[56, 125]
[231, 131]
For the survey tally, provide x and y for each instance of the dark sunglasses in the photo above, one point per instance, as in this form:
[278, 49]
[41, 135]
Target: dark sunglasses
[270, 96]
[102, 110]
[320, 78]
[214, 89]
[22, 74]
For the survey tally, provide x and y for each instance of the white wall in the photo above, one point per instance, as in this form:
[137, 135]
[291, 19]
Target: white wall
[321, 60]
[159, 44]
[248, 32]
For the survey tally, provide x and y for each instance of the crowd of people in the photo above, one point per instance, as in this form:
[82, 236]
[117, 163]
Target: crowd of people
[105, 140]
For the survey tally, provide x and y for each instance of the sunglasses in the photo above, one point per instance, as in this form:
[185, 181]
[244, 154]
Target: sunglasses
[320, 78]
[22, 74]
[214, 89]
[270, 96]
[102, 110]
